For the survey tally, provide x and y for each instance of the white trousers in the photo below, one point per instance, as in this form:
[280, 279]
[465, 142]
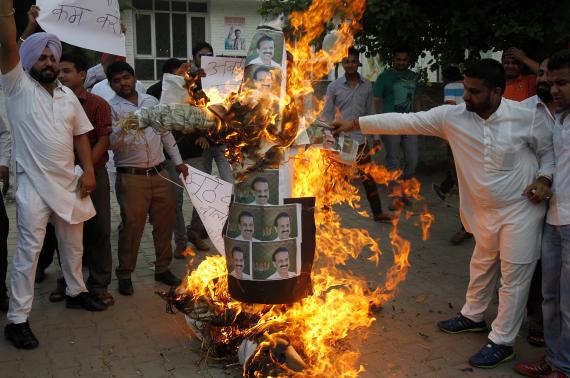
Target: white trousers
[485, 269]
[32, 215]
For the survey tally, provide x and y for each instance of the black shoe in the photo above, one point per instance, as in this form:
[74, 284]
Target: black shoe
[58, 294]
[21, 335]
[437, 189]
[85, 301]
[126, 286]
[167, 278]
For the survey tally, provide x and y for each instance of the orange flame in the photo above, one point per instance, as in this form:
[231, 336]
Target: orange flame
[318, 325]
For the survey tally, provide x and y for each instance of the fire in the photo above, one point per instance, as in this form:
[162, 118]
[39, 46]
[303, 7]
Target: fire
[314, 331]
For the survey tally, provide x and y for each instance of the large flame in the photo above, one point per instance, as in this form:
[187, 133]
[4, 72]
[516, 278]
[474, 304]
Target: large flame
[341, 303]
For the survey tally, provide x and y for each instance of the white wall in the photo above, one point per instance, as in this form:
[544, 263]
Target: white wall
[232, 8]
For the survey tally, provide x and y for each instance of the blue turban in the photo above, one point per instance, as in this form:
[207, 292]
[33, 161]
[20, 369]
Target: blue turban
[33, 47]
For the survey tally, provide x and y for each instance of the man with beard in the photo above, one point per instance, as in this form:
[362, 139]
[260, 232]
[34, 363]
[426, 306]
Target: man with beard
[141, 188]
[280, 259]
[239, 261]
[48, 124]
[260, 188]
[504, 159]
[283, 226]
[556, 237]
[545, 107]
[519, 87]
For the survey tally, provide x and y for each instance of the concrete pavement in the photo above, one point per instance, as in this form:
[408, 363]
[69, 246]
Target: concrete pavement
[137, 338]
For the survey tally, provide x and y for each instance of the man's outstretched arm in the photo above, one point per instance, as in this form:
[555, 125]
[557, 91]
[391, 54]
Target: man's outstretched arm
[9, 56]
[422, 123]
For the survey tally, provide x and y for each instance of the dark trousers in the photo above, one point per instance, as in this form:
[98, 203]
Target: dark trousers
[4, 229]
[451, 178]
[368, 182]
[96, 237]
[534, 303]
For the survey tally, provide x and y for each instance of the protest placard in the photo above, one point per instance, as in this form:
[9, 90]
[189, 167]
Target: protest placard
[211, 198]
[223, 75]
[91, 24]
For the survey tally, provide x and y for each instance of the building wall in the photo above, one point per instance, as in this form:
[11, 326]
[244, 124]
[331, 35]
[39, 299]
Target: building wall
[240, 8]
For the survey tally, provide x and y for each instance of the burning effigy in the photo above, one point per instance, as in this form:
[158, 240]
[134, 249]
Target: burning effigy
[277, 298]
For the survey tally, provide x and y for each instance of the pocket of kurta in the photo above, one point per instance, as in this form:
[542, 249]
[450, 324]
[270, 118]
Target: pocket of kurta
[504, 160]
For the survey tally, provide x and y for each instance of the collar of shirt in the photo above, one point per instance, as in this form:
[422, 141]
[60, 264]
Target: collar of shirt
[82, 94]
[360, 80]
[493, 117]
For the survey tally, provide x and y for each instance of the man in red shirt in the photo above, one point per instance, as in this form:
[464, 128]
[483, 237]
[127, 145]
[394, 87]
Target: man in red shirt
[97, 230]
[519, 87]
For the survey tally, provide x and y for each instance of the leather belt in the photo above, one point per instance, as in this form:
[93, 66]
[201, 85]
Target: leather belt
[141, 171]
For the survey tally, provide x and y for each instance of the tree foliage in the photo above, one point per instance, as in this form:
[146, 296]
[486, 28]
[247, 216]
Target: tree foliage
[450, 29]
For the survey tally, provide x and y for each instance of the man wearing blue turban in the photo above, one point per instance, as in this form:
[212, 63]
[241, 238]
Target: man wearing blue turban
[48, 124]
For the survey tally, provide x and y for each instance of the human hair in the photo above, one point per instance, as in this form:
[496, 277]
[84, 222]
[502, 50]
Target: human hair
[244, 214]
[279, 250]
[280, 215]
[118, 67]
[402, 49]
[258, 179]
[78, 61]
[170, 65]
[260, 69]
[199, 46]
[490, 71]
[264, 38]
[559, 60]
[352, 51]
[237, 30]
[236, 249]
[451, 73]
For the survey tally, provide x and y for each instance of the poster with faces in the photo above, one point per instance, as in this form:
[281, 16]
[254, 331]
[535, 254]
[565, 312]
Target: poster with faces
[268, 241]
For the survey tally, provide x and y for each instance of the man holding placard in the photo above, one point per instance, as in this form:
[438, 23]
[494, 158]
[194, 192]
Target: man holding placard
[49, 188]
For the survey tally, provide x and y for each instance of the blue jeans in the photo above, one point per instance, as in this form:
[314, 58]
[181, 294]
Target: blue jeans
[409, 146]
[556, 293]
[216, 153]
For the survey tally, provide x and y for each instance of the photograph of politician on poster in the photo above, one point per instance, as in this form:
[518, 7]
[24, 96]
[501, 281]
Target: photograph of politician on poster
[238, 258]
[260, 188]
[266, 49]
[245, 222]
[281, 222]
[263, 78]
[276, 260]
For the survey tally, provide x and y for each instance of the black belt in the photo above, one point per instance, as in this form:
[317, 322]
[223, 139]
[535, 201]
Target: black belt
[141, 171]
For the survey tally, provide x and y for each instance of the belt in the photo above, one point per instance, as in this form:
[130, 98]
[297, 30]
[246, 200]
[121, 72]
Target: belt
[141, 171]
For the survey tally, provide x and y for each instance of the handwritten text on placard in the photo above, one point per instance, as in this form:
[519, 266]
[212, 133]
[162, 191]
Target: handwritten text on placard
[91, 24]
[222, 74]
[211, 198]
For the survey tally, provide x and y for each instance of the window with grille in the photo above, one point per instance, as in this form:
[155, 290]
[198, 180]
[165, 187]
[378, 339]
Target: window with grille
[166, 29]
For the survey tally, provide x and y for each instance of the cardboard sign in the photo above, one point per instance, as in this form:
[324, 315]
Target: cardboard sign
[211, 198]
[91, 24]
[223, 75]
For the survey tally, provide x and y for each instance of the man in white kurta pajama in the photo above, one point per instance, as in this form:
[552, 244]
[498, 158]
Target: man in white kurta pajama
[498, 157]
[48, 123]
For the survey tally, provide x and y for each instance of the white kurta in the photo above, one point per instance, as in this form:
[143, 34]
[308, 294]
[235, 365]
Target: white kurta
[495, 160]
[43, 128]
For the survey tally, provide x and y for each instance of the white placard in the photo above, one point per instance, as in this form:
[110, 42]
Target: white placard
[223, 75]
[91, 24]
[211, 198]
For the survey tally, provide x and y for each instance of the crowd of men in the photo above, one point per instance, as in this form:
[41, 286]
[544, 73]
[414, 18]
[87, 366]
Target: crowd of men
[508, 134]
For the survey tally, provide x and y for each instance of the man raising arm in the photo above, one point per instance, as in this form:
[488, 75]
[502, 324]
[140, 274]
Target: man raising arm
[498, 158]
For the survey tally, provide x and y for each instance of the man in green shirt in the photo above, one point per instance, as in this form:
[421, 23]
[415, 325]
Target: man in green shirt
[395, 90]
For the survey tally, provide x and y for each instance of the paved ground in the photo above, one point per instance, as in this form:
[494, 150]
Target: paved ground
[137, 338]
